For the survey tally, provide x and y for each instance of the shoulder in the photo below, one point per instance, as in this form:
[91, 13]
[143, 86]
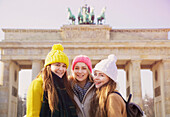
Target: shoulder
[37, 83]
[115, 106]
[70, 78]
[37, 80]
[114, 98]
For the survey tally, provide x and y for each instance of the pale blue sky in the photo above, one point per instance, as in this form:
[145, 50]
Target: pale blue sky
[52, 14]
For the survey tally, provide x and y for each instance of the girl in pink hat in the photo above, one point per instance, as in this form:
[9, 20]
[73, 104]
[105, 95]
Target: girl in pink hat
[105, 103]
[82, 84]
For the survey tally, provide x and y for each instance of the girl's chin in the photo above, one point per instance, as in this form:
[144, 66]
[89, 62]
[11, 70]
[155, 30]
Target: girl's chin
[97, 86]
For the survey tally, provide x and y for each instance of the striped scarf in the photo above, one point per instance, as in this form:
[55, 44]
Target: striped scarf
[80, 92]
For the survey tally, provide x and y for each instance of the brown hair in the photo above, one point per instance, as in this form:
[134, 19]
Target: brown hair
[98, 103]
[48, 85]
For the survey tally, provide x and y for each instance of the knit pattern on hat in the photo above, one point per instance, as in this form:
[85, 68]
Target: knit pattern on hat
[84, 59]
[108, 66]
[56, 55]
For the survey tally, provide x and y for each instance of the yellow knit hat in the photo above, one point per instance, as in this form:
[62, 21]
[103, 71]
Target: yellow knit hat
[56, 55]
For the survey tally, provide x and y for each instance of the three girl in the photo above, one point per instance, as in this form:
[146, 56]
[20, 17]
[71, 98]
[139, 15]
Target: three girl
[52, 94]
[49, 92]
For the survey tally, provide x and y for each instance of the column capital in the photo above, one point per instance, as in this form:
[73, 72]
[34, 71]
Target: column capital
[136, 60]
[165, 60]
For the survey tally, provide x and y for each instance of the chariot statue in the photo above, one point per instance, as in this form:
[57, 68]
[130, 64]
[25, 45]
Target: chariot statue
[86, 15]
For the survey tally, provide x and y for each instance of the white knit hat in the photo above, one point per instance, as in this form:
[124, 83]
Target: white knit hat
[108, 66]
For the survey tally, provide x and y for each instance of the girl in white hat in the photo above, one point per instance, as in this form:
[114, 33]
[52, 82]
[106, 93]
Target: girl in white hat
[105, 103]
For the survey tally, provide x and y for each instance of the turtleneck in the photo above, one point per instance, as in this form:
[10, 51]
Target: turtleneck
[57, 80]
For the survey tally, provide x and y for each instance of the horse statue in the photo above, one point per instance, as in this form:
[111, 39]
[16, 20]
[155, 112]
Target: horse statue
[102, 16]
[71, 16]
[91, 16]
[80, 17]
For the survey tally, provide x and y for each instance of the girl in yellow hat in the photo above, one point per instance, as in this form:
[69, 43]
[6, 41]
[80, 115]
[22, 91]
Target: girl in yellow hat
[49, 94]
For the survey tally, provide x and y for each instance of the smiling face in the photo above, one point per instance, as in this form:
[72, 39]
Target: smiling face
[59, 68]
[100, 78]
[81, 73]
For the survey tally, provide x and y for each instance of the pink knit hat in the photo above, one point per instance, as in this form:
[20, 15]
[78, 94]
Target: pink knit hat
[84, 59]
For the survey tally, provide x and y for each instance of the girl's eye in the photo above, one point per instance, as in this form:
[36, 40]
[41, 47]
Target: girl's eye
[102, 75]
[76, 68]
[57, 64]
[84, 68]
[95, 74]
[64, 66]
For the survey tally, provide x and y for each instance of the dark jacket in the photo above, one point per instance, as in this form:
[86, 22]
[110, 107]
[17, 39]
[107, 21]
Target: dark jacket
[66, 108]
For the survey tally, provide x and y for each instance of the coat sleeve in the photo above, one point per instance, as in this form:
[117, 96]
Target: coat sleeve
[115, 106]
[34, 98]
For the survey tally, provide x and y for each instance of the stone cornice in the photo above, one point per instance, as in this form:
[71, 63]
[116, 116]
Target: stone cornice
[5, 30]
[141, 30]
[144, 44]
[85, 27]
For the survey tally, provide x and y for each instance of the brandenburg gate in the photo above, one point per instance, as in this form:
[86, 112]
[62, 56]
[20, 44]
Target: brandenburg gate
[135, 49]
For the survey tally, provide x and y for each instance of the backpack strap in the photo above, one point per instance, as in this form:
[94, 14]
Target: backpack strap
[130, 96]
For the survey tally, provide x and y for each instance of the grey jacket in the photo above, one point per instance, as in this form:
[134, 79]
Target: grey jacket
[83, 108]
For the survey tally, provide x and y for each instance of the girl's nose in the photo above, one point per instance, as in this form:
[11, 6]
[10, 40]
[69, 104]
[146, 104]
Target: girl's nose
[96, 77]
[61, 67]
[79, 70]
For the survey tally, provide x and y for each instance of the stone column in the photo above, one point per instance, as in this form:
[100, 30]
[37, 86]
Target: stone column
[69, 67]
[166, 86]
[4, 90]
[37, 65]
[133, 82]
[13, 89]
[158, 89]
[1, 72]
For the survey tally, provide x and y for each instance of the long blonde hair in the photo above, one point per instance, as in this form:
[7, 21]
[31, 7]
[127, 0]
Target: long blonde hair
[98, 103]
[48, 85]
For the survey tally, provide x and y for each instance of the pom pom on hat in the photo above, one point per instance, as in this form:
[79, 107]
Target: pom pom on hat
[108, 67]
[57, 47]
[56, 55]
[112, 57]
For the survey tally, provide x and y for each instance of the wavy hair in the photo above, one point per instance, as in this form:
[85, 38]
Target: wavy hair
[48, 85]
[98, 103]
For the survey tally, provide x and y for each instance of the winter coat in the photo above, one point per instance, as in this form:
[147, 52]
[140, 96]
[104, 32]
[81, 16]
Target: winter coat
[66, 107]
[115, 106]
[35, 97]
[83, 108]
